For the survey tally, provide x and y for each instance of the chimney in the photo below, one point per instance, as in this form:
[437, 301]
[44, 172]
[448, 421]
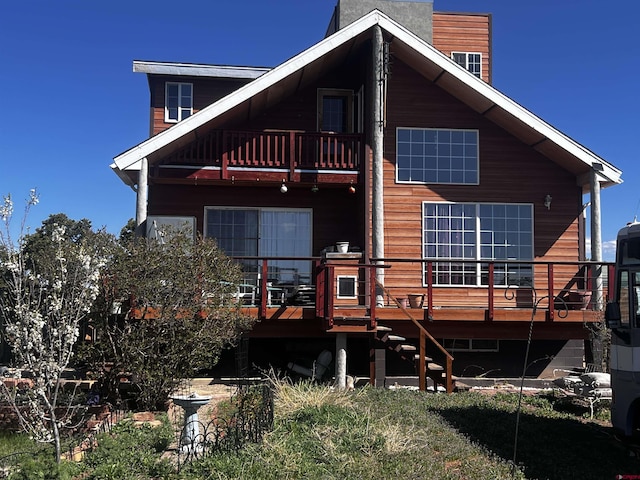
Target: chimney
[415, 15]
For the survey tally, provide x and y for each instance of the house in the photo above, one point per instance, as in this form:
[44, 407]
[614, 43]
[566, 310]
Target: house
[388, 135]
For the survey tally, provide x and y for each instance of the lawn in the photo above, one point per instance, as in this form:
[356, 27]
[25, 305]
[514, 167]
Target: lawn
[382, 434]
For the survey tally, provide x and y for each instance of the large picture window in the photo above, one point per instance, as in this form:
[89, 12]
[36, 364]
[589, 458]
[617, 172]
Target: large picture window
[469, 231]
[266, 232]
[426, 155]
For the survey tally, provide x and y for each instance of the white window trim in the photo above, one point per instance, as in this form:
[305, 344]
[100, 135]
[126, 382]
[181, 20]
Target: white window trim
[166, 108]
[355, 286]
[416, 182]
[466, 64]
[478, 258]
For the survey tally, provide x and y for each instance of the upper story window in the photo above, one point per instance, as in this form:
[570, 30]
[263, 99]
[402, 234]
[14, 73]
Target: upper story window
[335, 110]
[470, 61]
[178, 101]
[426, 155]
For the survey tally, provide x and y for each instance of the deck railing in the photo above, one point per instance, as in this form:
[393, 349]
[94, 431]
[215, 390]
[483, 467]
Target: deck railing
[559, 285]
[281, 149]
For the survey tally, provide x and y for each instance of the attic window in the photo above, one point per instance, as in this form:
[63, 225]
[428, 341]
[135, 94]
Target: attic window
[470, 61]
[178, 101]
[443, 156]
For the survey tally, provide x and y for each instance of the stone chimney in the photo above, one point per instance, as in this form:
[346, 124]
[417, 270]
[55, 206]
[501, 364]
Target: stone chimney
[415, 15]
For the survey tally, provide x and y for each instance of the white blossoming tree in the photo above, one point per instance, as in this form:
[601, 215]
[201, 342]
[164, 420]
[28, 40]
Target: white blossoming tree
[45, 294]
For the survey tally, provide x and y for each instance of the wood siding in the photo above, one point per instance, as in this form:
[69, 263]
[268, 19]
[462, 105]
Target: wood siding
[205, 92]
[337, 214]
[464, 32]
[509, 172]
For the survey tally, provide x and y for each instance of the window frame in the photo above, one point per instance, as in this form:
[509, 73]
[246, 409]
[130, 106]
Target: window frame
[462, 157]
[336, 92]
[452, 345]
[466, 62]
[353, 278]
[179, 107]
[260, 233]
[478, 272]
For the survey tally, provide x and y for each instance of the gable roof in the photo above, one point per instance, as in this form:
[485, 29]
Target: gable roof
[271, 86]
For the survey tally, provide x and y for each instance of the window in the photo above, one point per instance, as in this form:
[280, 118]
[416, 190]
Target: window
[470, 231]
[178, 101]
[347, 286]
[470, 61]
[266, 232]
[334, 111]
[470, 345]
[427, 155]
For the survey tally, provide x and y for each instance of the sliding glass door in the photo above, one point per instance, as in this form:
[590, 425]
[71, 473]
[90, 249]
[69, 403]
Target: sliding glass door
[265, 232]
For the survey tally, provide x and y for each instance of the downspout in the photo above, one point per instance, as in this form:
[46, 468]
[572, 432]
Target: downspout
[596, 237]
[142, 195]
[377, 166]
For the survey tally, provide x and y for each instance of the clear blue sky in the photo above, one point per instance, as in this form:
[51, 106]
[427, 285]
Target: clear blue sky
[72, 103]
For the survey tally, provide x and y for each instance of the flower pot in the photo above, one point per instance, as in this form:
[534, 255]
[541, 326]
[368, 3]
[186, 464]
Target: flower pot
[342, 247]
[402, 302]
[416, 300]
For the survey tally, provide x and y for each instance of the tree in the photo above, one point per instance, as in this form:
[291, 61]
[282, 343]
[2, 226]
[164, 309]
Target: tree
[169, 308]
[50, 283]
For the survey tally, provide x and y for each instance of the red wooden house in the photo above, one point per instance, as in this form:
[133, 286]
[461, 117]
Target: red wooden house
[395, 142]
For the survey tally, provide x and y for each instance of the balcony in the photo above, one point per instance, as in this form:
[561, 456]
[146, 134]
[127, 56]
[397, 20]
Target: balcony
[289, 154]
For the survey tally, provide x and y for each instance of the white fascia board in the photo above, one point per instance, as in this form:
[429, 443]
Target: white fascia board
[123, 176]
[130, 160]
[500, 100]
[198, 70]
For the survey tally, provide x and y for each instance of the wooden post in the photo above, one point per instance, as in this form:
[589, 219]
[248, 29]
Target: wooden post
[448, 374]
[550, 292]
[263, 290]
[422, 363]
[490, 291]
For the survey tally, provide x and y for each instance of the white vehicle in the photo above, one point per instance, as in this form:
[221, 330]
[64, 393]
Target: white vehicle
[623, 318]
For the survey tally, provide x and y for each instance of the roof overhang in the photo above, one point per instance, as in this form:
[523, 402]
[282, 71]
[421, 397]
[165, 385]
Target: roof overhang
[273, 85]
[198, 70]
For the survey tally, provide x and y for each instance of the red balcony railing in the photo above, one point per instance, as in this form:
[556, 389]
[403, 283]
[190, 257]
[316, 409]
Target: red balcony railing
[550, 286]
[272, 149]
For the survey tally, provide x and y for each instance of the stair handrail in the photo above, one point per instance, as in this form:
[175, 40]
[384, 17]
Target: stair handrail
[424, 332]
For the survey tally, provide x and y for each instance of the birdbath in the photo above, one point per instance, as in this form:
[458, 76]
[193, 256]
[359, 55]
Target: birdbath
[191, 430]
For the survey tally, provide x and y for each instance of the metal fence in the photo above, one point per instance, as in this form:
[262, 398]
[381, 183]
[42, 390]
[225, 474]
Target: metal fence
[245, 418]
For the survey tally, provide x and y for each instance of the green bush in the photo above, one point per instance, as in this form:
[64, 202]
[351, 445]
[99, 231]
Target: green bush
[131, 451]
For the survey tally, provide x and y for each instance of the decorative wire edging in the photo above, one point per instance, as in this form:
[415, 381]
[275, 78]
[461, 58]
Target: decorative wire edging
[79, 446]
[76, 446]
[248, 424]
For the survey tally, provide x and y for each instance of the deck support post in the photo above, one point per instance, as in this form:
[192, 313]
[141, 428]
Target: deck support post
[341, 361]
[142, 194]
[381, 367]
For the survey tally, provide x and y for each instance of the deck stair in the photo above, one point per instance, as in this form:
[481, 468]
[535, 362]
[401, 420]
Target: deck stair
[425, 366]
[395, 343]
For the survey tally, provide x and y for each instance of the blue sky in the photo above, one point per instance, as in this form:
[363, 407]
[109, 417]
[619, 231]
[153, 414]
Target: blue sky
[72, 103]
